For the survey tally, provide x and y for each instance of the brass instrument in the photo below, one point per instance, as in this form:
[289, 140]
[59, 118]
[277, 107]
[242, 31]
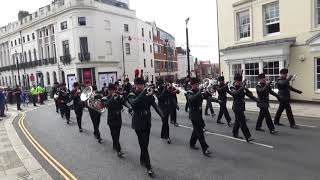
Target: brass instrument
[207, 86]
[95, 104]
[294, 77]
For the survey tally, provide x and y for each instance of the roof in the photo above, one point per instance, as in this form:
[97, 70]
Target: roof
[262, 43]
[116, 3]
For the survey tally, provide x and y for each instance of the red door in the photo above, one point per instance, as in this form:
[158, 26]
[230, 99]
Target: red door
[87, 77]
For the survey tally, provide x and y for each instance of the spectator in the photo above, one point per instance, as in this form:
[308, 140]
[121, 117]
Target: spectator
[2, 102]
[24, 98]
[17, 94]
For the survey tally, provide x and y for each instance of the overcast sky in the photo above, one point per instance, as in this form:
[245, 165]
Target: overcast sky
[169, 15]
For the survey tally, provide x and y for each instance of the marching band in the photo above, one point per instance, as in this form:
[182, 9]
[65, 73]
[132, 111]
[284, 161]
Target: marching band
[139, 98]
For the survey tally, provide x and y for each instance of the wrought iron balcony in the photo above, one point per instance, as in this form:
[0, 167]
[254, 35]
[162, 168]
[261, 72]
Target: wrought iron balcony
[45, 61]
[66, 59]
[52, 60]
[84, 56]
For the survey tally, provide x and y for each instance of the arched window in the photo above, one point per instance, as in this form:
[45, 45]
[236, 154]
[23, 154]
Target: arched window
[30, 56]
[55, 77]
[48, 78]
[35, 54]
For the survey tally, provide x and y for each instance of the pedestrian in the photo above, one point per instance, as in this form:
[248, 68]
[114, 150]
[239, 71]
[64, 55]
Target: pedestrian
[95, 115]
[263, 90]
[195, 98]
[223, 90]
[186, 88]
[24, 97]
[284, 97]
[34, 94]
[115, 102]
[104, 89]
[239, 91]
[55, 92]
[17, 94]
[2, 102]
[77, 104]
[141, 100]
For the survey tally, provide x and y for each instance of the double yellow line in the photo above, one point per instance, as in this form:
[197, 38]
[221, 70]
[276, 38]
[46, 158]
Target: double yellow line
[53, 162]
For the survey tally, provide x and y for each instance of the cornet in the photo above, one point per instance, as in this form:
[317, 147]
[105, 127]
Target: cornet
[294, 77]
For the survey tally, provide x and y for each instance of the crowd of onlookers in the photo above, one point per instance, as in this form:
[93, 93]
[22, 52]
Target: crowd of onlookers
[20, 95]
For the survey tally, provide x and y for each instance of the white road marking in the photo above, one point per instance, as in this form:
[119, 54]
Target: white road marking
[307, 126]
[230, 137]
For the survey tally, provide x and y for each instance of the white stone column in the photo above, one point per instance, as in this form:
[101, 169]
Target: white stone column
[243, 67]
[260, 66]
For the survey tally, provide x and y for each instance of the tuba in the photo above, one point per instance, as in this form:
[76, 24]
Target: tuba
[95, 104]
[208, 86]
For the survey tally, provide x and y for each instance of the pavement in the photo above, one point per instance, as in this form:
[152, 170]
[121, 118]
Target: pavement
[16, 162]
[293, 154]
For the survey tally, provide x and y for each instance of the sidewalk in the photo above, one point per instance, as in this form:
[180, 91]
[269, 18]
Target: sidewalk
[298, 109]
[16, 162]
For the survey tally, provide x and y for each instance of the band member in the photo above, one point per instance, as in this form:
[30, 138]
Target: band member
[163, 96]
[187, 88]
[195, 99]
[173, 103]
[55, 92]
[263, 90]
[95, 116]
[208, 98]
[77, 104]
[127, 86]
[64, 98]
[115, 102]
[284, 95]
[223, 89]
[239, 91]
[104, 89]
[141, 100]
[17, 93]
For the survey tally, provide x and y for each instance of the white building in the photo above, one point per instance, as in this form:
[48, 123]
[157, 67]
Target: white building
[183, 63]
[76, 40]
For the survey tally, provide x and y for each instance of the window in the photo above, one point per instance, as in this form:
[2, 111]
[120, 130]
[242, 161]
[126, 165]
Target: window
[48, 52]
[65, 47]
[23, 39]
[48, 78]
[109, 48]
[144, 63]
[24, 57]
[127, 48]
[19, 40]
[84, 45]
[243, 19]
[15, 42]
[52, 30]
[107, 24]
[40, 34]
[33, 36]
[34, 54]
[318, 73]
[271, 18]
[64, 25]
[144, 47]
[151, 63]
[142, 32]
[30, 56]
[82, 21]
[28, 37]
[126, 28]
[11, 44]
[271, 70]
[47, 32]
[251, 74]
[235, 68]
[150, 48]
[317, 12]
[149, 34]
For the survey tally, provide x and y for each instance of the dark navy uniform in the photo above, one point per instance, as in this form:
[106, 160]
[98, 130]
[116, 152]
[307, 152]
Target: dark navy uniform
[284, 98]
[95, 118]
[141, 121]
[263, 91]
[223, 89]
[164, 104]
[78, 106]
[64, 98]
[239, 92]
[115, 106]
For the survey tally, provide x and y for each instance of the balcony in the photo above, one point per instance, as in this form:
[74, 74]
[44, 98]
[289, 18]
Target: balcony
[66, 59]
[52, 60]
[84, 56]
[45, 61]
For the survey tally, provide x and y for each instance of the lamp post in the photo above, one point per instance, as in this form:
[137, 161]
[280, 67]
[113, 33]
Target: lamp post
[188, 50]
[24, 60]
[17, 63]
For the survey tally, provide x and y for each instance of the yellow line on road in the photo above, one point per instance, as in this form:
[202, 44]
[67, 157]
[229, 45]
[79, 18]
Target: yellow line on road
[53, 162]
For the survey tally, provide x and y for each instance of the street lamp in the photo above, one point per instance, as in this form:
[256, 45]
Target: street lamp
[188, 50]
[17, 63]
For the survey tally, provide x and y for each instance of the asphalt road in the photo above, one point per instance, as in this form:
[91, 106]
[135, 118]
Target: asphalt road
[295, 153]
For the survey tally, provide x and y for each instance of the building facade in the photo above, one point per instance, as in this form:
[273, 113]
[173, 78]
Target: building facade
[182, 59]
[90, 41]
[266, 36]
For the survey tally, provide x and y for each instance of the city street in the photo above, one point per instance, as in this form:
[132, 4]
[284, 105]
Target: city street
[293, 154]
